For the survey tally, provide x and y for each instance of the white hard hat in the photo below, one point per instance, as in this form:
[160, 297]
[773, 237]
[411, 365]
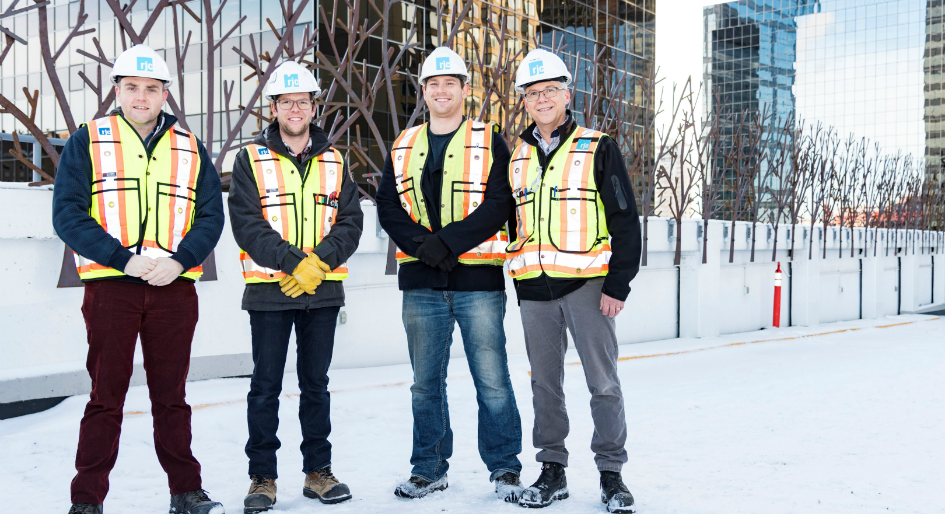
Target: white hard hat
[291, 77]
[140, 61]
[443, 61]
[538, 66]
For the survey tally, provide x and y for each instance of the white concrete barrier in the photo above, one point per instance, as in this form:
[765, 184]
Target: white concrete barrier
[43, 337]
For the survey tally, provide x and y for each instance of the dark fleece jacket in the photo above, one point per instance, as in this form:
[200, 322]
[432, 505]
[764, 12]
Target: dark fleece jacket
[267, 248]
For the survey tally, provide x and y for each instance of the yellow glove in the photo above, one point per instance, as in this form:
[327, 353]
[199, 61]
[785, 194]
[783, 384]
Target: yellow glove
[290, 286]
[308, 275]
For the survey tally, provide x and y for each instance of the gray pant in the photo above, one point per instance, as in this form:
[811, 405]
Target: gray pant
[546, 325]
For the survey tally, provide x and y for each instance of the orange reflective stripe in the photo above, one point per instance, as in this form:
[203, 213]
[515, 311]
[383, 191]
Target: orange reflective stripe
[467, 150]
[404, 171]
[283, 209]
[563, 205]
[119, 158]
[321, 210]
[191, 184]
[172, 193]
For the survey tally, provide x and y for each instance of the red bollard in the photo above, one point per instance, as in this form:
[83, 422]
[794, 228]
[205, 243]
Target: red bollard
[777, 296]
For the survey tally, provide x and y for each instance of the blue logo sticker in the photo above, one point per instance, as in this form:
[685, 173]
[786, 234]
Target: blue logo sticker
[104, 131]
[536, 68]
[442, 63]
[263, 151]
[584, 144]
[145, 64]
[292, 80]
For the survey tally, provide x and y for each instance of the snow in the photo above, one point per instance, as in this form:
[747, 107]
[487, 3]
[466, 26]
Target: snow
[847, 419]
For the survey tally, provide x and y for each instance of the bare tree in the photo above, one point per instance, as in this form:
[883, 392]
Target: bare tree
[779, 185]
[706, 145]
[739, 179]
[757, 171]
[680, 180]
[800, 179]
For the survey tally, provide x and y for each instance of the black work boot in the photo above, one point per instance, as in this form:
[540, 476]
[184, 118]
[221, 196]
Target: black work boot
[195, 502]
[418, 487]
[551, 485]
[85, 508]
[614, 493]
[508, 487]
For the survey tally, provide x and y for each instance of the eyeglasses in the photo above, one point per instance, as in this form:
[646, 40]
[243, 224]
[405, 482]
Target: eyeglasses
[549, 93]
[287, 104]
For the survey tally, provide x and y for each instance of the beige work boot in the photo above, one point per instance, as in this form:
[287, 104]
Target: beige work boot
[261, 495]
[323, 485]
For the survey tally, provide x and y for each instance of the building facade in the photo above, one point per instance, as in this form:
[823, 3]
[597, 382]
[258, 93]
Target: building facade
[855, 66]
[620, 31]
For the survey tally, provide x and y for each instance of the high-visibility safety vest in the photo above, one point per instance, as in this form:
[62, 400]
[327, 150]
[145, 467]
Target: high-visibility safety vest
[146, 204]
[466, 167]
[562, 228]
[301, 212]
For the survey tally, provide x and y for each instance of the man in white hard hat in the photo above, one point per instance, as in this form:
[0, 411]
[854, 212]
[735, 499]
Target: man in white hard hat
[296, 217]
[138, 200]
[444, 200]
[576, 249]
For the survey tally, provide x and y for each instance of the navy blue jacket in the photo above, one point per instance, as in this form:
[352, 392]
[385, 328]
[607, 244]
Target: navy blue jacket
[72, 199]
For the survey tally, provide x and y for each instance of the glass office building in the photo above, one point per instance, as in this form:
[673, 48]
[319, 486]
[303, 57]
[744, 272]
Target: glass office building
[623, 29]
[934, 68]
[854, 65]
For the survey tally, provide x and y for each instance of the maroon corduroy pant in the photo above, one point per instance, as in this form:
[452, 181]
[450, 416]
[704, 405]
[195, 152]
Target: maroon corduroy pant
[115, 314]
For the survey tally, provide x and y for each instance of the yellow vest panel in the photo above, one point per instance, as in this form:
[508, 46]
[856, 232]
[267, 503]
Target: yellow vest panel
[466, 167]
[562, 228]
[148, 205]
[301, 212]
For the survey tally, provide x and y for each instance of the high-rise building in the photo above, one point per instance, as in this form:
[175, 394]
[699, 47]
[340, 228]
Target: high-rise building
[853, 65]
[934, 67]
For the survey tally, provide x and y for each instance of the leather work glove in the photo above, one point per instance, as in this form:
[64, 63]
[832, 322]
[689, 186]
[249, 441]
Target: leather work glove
[433, 252]
[290, 286]
[307, 276]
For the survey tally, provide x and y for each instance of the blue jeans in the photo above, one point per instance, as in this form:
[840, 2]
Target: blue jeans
[314, 338]
[429, 318]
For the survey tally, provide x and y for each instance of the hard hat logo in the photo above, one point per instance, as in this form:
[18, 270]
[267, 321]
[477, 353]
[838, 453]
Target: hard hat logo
[442, 63]
[292, 80]
[536, 68]
[145, 64]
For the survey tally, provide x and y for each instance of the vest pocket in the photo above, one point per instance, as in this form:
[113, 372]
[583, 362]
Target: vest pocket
[574, 212]
[281, 213]
[408, 198]
[464, 200]
[173, 213]
[110, 198]
[524, 218]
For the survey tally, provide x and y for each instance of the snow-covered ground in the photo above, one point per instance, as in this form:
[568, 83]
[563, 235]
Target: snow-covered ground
[849, 421]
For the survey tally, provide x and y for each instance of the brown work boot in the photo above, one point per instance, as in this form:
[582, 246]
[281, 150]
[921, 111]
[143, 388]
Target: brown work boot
[323, 485]
[261, 495]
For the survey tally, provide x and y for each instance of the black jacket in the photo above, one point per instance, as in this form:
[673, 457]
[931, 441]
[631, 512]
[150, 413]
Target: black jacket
[267, 248]
[72, 198]
[460, 236]
[623, 223]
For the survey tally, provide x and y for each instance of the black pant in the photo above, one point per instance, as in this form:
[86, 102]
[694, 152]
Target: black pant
[315, 336]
